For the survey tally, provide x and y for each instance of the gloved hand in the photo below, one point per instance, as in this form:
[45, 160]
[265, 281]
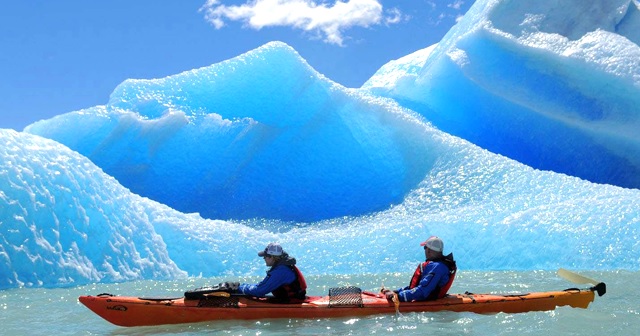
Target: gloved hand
[389, 294]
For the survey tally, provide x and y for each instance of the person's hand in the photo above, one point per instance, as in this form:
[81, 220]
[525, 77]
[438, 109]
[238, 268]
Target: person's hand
[388, 293]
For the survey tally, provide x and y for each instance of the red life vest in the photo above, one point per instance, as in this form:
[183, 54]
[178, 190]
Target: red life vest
[293, 292]
[441, 292]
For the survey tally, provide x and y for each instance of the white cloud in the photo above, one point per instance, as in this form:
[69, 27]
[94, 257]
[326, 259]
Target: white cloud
[456, 4]
[328, 20]
[394, 15]
[431, 4]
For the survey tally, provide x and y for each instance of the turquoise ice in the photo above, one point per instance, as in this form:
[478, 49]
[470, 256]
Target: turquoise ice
[492, 140]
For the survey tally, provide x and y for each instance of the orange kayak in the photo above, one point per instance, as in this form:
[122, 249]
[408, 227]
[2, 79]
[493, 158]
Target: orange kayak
[342, 302]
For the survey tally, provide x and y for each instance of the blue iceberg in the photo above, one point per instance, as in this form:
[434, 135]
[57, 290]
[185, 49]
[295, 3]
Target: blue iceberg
[261, 135]
[499, 139]
[554, 86]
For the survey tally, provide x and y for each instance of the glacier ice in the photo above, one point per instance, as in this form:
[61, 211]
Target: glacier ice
[192, 174]
[288, 144]
[555, 86]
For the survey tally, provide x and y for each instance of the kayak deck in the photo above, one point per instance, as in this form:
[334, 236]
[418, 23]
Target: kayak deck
[134, 311]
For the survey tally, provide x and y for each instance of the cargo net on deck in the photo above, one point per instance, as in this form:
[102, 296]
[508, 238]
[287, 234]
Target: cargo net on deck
[219, 301]
[349, 296]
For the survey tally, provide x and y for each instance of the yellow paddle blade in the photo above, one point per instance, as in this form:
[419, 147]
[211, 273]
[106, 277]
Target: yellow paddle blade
[222, 294]
[396, 302]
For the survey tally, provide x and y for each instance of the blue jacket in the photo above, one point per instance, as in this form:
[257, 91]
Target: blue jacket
[434, 276]
[277, 276]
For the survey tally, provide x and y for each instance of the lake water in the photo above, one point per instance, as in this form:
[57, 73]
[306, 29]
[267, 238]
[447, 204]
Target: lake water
[58, 312]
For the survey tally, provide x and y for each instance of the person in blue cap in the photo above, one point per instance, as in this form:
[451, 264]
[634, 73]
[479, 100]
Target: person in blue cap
[432, 278]
[284, 280]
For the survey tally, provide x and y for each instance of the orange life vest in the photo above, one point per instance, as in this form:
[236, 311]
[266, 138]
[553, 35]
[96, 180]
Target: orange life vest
[293, 292]
[439, 292]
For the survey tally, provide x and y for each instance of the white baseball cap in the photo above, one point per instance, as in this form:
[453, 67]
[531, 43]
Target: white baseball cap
[273, 249]
[433, 243]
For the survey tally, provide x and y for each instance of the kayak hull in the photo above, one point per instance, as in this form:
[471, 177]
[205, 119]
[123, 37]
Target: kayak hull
[133, 311]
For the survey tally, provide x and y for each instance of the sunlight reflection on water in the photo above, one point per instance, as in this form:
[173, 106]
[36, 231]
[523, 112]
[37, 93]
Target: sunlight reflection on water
[57, 311]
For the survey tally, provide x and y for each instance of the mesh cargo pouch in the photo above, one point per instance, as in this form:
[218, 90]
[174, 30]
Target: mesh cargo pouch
[349, 296]
[219, 301]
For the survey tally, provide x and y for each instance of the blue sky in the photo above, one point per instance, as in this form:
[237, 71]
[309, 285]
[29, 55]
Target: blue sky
[63, 56]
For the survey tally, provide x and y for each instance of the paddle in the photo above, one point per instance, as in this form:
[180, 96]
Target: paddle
[396, 302]
[395, 299]
[222, 294]
[576, 278]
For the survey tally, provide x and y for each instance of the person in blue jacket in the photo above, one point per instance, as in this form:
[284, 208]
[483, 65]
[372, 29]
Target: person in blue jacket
[432, 278]
[284, 280]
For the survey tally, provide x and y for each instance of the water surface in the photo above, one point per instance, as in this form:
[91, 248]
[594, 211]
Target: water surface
[58, 312]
